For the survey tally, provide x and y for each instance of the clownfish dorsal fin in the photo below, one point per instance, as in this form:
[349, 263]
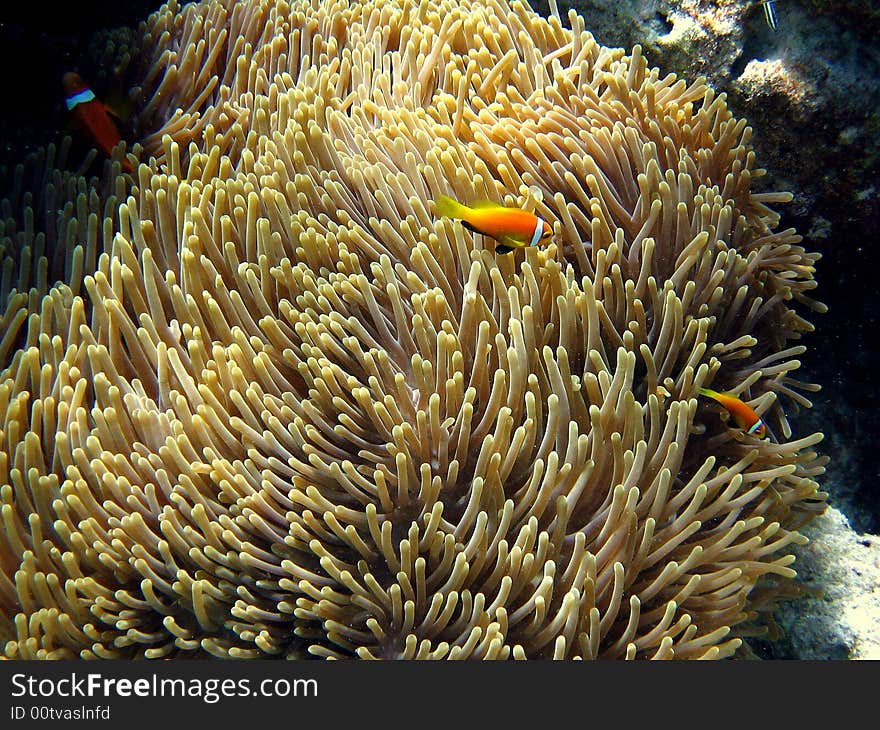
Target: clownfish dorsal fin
[486, 205]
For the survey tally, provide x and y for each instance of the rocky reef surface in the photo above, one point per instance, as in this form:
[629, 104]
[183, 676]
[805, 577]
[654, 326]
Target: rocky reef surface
[842, 619]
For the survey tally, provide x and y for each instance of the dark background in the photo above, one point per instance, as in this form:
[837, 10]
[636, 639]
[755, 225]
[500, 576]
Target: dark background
[41, 39]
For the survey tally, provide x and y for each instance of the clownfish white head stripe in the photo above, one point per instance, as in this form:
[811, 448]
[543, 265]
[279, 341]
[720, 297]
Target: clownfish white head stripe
[539, 232]
[80, 97]
[756, 427]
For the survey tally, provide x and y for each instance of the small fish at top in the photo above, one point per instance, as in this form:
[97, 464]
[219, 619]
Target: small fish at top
[742, 412]
[510, 227]
[769, 13]
[93, 116]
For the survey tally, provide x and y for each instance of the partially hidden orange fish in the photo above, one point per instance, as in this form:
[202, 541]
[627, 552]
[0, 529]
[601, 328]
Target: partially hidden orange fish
[742, 412]
[511, 227]
[92, 115]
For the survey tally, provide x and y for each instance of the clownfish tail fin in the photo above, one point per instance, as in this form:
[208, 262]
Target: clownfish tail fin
[449, 208]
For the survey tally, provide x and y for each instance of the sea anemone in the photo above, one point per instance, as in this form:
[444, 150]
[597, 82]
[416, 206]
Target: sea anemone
[273, 406]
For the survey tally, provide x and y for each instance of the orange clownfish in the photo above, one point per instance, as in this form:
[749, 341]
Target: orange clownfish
[92, 116]
[742, 413]
[510, 227]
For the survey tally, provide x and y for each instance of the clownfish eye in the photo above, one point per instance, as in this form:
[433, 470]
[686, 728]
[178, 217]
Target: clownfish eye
[547, 234]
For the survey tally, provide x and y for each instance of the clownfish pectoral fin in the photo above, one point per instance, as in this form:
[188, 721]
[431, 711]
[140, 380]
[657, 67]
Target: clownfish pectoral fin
[117, 119]
[118, 105]
[111, 112]
[506, 244]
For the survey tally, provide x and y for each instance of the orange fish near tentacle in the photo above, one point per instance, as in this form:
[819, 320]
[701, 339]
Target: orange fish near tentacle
[744, 415]
[510, 227]
[92, 115]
